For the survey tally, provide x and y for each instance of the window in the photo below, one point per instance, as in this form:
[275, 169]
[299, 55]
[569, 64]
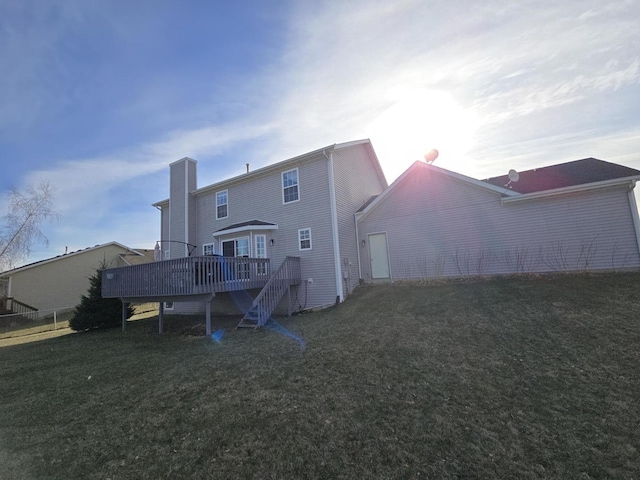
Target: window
[290, 186]
[209, 249]
[222, 204]
[167, 254]
[304, 239]
[261, 252]
[168, 305]
[261, 246]
[238, 247]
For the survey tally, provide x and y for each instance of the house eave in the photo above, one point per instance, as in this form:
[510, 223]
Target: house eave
[616, 182]
[65, 255]
[244, 228]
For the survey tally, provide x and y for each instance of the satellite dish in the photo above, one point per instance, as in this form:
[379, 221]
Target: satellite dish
[431, 156]
[513, 176]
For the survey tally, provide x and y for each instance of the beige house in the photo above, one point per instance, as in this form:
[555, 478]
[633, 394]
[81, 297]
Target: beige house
[59, 282]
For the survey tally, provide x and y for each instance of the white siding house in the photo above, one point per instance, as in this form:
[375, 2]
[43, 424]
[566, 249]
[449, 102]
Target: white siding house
[435, 223]
[302, 207]
[329, 221]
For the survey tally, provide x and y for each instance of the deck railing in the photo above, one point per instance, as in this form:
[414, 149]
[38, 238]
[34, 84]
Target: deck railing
[185, 276]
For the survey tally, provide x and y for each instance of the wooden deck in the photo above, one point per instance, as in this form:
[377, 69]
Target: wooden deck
[194, 277]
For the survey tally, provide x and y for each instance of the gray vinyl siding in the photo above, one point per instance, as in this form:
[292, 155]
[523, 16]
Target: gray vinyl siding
[260, 198]
[164, 227]
[181, 205]
[438, 226]
[355, 182]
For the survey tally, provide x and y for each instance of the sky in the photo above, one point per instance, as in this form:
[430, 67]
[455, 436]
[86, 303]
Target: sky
[99, 97]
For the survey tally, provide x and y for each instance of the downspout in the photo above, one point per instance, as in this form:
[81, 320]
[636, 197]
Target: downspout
[334, 227]
[355, 221]
[634, 213]
[186, 207]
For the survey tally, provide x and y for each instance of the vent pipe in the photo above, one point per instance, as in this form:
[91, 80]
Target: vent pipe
[247, 167]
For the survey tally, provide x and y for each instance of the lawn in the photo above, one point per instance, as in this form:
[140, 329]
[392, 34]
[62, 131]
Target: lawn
[527, 378]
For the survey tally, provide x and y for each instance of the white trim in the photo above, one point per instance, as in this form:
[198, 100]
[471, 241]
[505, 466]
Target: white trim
[255, 244]
[386, 242]
[572, 189]
[334, 227]
[300, 249]
[226, 192]
[235, 244]
[244, 228]
[186, 208]
[213, 249]
[297, 185]
[634, 213]
[355, 220]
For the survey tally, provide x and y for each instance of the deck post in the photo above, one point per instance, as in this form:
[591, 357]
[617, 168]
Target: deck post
[124, 315]
[289, 301]
[161, 317]
[208, 316]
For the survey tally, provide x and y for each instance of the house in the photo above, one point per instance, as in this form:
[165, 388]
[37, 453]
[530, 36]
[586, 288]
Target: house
[306, 231]
[301, 209]
[59, 282]
[432, 222]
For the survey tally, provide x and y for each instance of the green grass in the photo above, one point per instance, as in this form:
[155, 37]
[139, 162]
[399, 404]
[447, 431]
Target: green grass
[527, 378]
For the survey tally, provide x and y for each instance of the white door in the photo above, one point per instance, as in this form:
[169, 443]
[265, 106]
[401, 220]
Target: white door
[379, 255]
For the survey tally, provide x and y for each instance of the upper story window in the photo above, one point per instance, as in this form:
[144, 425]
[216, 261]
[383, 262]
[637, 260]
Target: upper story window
[209, 249]
[290, 192]
[304, 239]
[222, 204]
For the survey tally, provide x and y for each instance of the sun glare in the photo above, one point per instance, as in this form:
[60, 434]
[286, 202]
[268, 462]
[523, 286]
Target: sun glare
[416, 121]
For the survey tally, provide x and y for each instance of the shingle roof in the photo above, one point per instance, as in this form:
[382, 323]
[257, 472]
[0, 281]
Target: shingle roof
[577, 172]
[248, 224]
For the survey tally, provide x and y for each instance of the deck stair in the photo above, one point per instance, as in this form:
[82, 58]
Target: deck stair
[280, 282]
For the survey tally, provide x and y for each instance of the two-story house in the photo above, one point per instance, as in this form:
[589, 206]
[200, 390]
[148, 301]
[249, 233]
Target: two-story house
[304, 232]
[303, 208]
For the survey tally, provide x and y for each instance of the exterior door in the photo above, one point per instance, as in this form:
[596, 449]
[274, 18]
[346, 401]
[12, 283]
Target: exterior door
[379, 255]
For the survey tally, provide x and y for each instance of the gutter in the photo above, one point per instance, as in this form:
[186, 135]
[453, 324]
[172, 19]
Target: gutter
[572, 189]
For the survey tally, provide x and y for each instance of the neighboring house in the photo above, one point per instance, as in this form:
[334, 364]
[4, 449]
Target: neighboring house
[59, 282]
[311, 228]
[432, 222]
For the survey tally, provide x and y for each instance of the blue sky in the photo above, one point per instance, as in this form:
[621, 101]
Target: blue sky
[98, 97]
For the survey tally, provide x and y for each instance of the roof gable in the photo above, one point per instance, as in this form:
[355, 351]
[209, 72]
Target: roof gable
[313, 155]
[577, 172]
[67, 255]
[374, 201]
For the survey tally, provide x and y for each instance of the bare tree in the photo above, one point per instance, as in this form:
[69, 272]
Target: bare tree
[27, 210]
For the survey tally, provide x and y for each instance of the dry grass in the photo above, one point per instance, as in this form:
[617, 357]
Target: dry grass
[508, 378]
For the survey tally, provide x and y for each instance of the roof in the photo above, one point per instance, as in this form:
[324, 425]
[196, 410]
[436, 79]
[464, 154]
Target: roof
[250, 223]
[66, 255]
[138, 256]
[577, 172]
[291, 161]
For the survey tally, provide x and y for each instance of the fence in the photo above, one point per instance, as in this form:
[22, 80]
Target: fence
[20, 324]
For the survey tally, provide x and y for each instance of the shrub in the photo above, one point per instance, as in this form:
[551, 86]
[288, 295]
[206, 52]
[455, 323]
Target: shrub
[97, 312]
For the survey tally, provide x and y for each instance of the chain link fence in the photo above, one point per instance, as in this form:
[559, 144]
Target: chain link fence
[18, 324]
